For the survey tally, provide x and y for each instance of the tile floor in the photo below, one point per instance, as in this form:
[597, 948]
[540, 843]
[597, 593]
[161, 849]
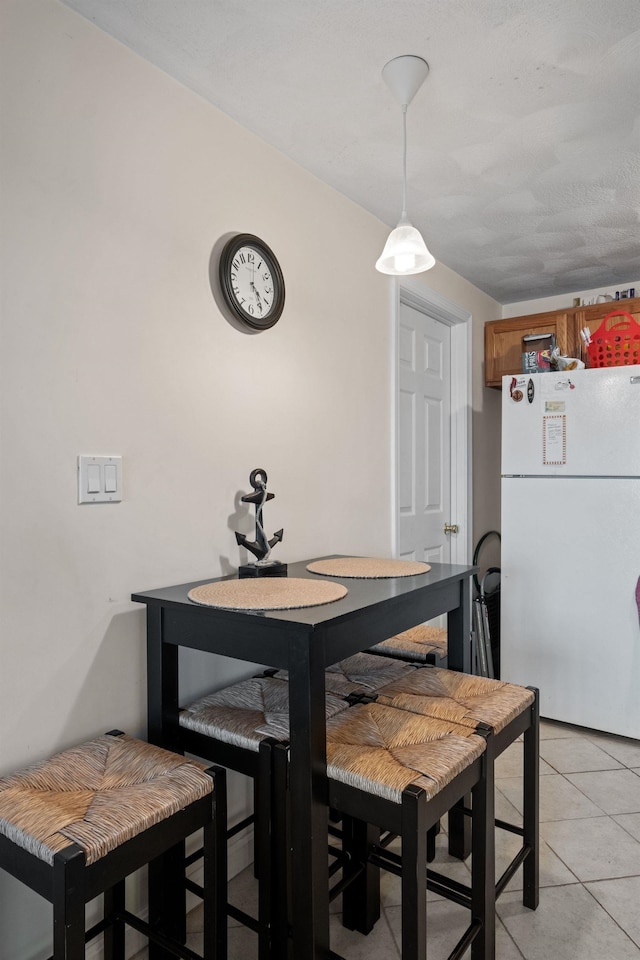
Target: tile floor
[589, 864]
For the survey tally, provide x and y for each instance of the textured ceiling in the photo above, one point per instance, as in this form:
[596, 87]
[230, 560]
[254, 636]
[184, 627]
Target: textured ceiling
[523, 144]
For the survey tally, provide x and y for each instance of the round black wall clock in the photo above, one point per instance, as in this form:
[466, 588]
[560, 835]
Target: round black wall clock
[251, 281]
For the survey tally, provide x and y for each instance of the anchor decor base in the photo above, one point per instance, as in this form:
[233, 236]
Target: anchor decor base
[271, 569]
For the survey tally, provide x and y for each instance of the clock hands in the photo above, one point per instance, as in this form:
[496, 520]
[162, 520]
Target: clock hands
[257, 295]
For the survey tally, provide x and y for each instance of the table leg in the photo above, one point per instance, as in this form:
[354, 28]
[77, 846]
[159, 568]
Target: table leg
[459, 631]
[167, 894]
[309, 814]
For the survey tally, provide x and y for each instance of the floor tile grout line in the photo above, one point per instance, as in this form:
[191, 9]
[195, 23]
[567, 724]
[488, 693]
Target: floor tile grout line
[565, 865]
[383, 911]
[618, 813]
[602, 907]
[500, 923]
[622, 826]
[626, 876]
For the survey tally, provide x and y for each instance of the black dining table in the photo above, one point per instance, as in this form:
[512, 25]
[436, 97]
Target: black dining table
[304, 642]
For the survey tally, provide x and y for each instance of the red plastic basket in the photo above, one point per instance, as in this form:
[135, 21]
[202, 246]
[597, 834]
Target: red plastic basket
[616, 343]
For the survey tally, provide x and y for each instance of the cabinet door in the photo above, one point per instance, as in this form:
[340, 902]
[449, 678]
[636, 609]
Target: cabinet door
[592, 317]
[503, 341]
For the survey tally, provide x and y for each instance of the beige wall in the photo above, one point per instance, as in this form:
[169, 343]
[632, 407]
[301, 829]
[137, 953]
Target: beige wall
[118, 182]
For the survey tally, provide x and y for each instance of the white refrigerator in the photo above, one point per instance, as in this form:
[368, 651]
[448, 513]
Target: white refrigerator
[570, 556]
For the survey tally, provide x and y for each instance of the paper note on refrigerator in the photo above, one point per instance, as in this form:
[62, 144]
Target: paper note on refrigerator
[554, 439]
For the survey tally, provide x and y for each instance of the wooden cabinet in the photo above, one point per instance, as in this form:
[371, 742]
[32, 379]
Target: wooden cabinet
[503, 338]
[503, 341]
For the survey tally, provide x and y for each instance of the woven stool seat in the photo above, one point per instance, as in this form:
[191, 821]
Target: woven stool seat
[360, 674]
[364, 673]
[76, 826]
[97, 795]
[419, 644]
[457, 697]
[247, 712]
[382, 750]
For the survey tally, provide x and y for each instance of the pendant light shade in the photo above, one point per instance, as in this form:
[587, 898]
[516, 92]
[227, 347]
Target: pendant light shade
[405, 252]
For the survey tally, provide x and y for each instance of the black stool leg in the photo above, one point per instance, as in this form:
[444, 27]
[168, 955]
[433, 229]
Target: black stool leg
[257, 803]
[361, 899]
[531, 814]
[459, 830]
[215, 871]
[483, 861]
[281, 899]
[68, 904]
[432, 834]
[114, 904]
[168, 899]
[414, 872]
[266, 798]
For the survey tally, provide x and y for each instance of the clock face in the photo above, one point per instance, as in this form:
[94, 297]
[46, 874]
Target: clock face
[252, 281]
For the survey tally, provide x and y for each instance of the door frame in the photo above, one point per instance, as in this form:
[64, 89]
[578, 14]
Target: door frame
[459, 320]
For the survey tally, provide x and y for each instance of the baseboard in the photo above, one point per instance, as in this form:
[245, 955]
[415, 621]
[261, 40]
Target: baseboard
[240, 855]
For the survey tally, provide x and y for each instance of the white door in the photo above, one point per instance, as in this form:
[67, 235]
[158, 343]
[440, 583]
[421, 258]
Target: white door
[424, 436]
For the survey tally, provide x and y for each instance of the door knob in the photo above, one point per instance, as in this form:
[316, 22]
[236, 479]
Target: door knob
[451, 528]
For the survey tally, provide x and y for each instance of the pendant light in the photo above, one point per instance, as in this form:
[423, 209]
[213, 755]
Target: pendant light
[405, 251]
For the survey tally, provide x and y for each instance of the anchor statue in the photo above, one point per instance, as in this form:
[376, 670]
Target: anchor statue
[261, 546]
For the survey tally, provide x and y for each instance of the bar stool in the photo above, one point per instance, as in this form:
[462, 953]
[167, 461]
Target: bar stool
[238, 727]
[401, 772]
[421, 644]
[76, 825]
[511, 711]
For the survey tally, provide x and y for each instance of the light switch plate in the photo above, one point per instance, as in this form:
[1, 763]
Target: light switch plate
[99, 479]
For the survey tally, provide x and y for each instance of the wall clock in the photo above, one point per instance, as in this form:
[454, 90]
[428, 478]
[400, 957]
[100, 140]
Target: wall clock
[251, 281]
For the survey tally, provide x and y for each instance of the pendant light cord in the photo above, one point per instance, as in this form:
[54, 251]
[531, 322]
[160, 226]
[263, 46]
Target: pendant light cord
[404, 162]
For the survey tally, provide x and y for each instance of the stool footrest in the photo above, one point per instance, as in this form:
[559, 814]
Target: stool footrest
[349, 874]
[519, 859]
[465, 941]
[511, 827]
[178, 949]
[450, 889]
[244, 918]
[98, 928]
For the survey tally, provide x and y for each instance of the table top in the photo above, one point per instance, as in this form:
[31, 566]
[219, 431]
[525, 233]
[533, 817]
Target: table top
[362, 594]
[372, 611]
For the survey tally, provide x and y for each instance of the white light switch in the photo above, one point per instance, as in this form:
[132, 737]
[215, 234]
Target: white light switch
[110, 478]
[93, 478]
[99, 479]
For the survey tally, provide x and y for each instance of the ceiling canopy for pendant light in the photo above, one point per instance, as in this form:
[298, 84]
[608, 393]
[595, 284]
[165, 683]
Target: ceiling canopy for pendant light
[405, 251]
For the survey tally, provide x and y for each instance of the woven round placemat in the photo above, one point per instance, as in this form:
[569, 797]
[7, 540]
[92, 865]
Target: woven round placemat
[267, 593]
[367, 568]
